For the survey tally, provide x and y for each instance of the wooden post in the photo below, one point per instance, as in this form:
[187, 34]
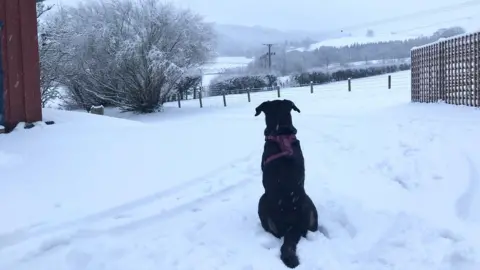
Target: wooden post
[278, 91]
[200, 97]
[179, 97]
[349, 85]
[248, 94]
[389, 81]
[224, 99]
[311, 87]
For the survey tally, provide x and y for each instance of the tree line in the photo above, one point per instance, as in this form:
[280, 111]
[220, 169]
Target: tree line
[286, 62]
[237, 84]
[318, 77]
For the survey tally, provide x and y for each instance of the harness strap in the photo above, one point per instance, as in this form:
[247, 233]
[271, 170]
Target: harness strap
[285, 143]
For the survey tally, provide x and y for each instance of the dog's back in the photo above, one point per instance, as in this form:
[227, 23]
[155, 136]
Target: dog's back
[283, 180]
[283, 174]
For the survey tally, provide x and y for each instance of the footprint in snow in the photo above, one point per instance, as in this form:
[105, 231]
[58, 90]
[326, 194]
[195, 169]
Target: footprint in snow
[268, 241]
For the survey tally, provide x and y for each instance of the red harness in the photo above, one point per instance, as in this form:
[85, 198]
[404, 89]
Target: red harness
[285, 143]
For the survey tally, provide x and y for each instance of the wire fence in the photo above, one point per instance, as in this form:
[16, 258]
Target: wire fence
[447, 70]
[247, 95]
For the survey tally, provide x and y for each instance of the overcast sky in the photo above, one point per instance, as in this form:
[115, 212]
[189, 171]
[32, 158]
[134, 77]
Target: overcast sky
[312, 15]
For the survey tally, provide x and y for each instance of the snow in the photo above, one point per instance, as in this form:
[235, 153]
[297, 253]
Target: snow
[332, 67]
[441, 40]
[396, 184]
[347, 41]
[220, 64]
[209, 70]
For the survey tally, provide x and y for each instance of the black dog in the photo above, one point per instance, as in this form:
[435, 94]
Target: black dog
[285, 210]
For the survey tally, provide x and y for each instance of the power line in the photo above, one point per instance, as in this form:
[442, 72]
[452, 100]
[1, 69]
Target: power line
[411, 15]
[434, 24]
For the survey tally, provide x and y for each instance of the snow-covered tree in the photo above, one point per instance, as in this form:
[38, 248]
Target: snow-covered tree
[42, 8]
[49, 57]
[129, 54]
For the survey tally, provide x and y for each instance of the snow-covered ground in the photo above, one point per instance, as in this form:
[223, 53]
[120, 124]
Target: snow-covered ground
[220, 64]
[396, 184]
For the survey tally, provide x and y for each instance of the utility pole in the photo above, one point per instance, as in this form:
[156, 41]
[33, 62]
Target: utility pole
[269, 54]
[263, 60]
[284, 70]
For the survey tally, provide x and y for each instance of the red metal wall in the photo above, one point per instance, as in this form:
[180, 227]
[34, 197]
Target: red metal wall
[20, 62]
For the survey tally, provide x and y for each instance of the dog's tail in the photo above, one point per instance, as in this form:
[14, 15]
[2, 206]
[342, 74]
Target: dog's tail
[288, 251]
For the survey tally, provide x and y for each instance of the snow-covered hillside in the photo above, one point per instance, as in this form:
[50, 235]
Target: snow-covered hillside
[396, 184]
[346, 41]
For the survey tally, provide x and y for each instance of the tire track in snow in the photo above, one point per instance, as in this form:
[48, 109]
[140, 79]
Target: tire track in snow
[465, 205]
[157, 198]
[194, 198]
[132, 216]
[184, 206]
[125, 217]
[174, 205]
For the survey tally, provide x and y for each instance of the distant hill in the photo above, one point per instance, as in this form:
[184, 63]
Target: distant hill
[351, 40]
[238, 40]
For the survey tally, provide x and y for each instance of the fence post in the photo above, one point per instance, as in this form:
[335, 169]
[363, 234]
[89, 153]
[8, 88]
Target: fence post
[200, 97]
[248, 94]
[224, 99]
[278, 91]
[311, 87]
[179, 97]
[349, 85]
[389, 81]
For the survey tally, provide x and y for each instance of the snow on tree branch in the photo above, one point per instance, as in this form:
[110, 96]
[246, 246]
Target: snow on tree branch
[126, 53]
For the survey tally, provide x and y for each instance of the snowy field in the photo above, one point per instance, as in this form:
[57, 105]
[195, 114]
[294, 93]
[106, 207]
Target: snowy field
[211, 70]
[396, 184]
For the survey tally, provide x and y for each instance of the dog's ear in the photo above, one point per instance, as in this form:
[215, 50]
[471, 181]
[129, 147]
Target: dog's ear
[260, 108]
[294, 107]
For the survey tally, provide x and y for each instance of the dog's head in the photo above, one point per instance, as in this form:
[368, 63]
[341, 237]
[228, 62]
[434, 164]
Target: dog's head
[277, 116]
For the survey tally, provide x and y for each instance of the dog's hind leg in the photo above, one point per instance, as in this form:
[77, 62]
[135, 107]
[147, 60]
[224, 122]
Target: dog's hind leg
[310, 211]
[312, 214]
[266, 220]
[272, 228]
[313, 221]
